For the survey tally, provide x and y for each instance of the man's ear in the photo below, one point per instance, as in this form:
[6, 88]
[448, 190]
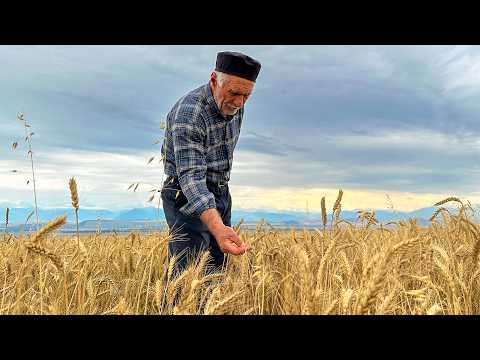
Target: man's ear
[213, 78]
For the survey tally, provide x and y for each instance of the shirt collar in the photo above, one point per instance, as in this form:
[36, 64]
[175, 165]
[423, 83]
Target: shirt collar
[213, 104]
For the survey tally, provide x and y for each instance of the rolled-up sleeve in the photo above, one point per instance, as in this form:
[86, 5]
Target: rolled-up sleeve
[190, 159]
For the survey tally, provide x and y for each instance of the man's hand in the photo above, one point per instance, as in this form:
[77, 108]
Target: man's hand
[227, 239]
[229, 242]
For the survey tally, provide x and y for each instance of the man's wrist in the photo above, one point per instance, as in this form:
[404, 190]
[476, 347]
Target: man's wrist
[216, 228]
[212, 219]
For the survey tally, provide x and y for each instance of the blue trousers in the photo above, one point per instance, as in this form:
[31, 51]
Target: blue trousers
[190, 236]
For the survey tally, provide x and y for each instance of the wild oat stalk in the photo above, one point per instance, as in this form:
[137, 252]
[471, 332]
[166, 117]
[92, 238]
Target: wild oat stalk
[74, 195]
[28, 139]
[156, 190]
[163, 151]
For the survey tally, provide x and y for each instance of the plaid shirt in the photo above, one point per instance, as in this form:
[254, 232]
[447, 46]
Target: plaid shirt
[198, 147]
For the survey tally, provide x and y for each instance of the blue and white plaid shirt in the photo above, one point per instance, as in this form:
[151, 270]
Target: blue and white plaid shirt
[198, 147]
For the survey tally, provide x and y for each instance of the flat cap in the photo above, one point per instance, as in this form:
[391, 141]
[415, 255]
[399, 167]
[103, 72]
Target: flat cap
[238, 64]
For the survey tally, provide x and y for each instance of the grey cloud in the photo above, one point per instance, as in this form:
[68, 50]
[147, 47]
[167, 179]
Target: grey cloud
[267, 144]
[306, 99]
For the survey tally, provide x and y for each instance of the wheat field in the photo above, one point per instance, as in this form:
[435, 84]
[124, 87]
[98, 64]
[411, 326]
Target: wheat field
[347, 268]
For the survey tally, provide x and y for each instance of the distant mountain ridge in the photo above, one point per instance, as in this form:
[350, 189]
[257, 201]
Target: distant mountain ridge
[151, 217]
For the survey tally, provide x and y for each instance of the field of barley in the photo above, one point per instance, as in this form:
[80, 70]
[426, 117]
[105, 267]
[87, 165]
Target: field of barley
[344, 268]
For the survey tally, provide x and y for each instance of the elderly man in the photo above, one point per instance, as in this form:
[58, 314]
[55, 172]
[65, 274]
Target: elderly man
[202, 130]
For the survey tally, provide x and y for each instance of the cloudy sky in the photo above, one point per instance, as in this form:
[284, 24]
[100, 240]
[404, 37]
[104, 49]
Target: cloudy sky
[371, 120]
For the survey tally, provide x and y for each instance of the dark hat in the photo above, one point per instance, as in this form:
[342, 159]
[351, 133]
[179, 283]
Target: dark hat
[237, 64]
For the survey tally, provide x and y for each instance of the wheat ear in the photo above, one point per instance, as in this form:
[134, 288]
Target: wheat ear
[37, 249]
[51, 226]
[337, 205]
[444, 201]
[324, 213]
[377, 280]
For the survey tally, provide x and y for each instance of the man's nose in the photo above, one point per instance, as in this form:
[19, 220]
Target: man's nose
[239, 101]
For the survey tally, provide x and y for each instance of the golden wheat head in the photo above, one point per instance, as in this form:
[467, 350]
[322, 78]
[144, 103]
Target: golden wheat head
[51, 226]
[74, 193]
[444, 201]
[338, 201]
[40, 250]
[324, 212]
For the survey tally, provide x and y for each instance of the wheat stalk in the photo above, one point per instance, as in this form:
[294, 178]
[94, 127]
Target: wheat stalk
[237, 227]
[73, 192]
[436, 213]
[74, 195]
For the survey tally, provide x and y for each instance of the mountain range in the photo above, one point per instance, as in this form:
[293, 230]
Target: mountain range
[151, 218]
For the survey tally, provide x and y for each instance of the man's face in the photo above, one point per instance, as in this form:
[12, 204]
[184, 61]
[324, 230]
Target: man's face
[232, 94]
